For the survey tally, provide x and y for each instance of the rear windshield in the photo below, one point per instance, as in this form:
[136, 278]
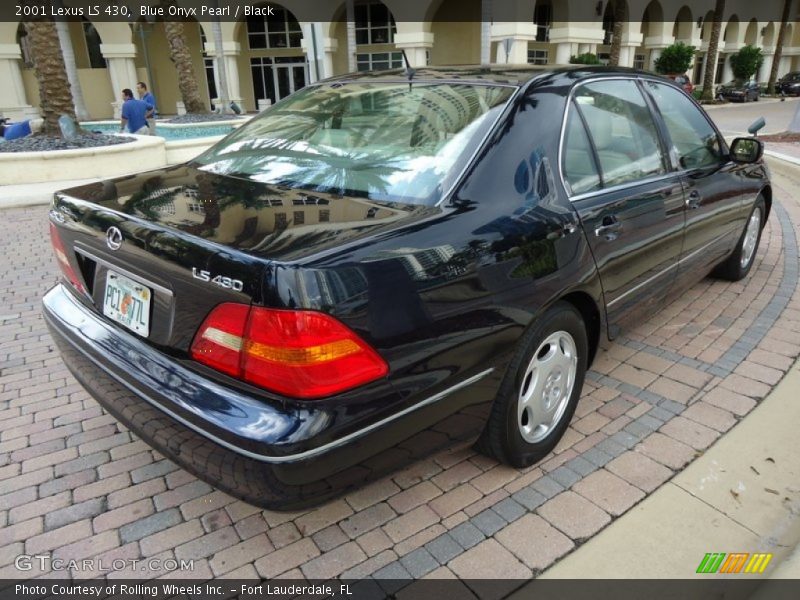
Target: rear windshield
[384, 141]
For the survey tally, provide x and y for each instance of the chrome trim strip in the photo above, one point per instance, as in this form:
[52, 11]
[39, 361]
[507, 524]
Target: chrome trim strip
[667, 270]
[624, 186]
[290, 457]
[125, 272]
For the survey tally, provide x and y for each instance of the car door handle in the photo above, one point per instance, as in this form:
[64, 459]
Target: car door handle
[609, 228]
[693, 199]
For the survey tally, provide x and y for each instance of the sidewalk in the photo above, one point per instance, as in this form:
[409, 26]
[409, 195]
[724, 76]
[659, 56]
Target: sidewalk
[30, 194]
[741, 495]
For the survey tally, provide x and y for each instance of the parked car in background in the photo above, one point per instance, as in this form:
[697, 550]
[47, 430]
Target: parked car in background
[739, 91]
[683, 81]
[385, 264]
[789, 84]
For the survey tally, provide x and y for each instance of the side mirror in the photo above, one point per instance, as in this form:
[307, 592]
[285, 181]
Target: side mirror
[746, 150]
[758, 124]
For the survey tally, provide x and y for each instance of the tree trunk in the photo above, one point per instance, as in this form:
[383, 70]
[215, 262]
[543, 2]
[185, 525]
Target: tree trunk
[65, 41]
[620, 14]
[711, 55]
[180, 56]
[222, 68]
[776, 58]
[55, 98]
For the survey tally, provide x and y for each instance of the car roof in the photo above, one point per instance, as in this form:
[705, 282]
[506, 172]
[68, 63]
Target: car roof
[516, 75]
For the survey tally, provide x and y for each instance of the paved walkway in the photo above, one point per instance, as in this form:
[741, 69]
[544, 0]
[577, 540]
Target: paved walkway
[76, 484]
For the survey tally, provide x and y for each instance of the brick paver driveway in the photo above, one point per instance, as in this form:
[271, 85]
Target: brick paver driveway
[76, 484]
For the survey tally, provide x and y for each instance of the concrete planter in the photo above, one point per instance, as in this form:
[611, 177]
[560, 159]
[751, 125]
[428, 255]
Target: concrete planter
[105, 161]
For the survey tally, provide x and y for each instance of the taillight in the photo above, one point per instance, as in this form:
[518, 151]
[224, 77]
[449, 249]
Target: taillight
[63, 261]
[297, 353]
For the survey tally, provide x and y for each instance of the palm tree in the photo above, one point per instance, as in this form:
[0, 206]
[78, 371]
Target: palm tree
[711, 55]
[776, 58]
[55, 97]
[620, 14]
[182, 58]
[65, 41]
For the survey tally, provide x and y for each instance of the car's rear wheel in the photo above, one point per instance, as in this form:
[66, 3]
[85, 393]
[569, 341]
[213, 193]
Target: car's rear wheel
[741, 260]
[541, 389]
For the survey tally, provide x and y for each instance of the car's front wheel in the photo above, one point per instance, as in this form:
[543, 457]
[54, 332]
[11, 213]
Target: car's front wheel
[739, 263]
[541, 389]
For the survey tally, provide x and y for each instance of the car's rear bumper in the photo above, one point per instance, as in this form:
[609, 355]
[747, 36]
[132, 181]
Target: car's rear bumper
[227, 437]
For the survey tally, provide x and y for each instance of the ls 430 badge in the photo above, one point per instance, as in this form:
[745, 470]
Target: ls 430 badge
[224, 282]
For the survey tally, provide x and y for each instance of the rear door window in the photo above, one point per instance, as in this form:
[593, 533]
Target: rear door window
[622, 129]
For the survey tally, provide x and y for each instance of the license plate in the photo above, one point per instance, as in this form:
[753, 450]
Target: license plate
[127, 302]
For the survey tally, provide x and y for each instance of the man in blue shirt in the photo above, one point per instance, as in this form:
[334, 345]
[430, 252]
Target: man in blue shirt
[134, 114]
[147, 96]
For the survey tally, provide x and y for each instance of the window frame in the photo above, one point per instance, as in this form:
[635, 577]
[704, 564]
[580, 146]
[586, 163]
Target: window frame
[665, 142]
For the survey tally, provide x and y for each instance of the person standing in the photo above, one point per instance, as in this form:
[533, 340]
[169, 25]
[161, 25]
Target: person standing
[147, 96]
[134, 114]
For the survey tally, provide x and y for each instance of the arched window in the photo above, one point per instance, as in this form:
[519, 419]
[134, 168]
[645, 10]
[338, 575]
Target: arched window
[374, 23]
[543, 17]
[281, 30]
[93, 41]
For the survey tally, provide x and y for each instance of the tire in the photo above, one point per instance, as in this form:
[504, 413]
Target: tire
[739, 263]
[553, 351]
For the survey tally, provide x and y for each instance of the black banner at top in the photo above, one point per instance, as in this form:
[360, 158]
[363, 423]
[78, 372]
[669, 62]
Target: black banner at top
[563, 11]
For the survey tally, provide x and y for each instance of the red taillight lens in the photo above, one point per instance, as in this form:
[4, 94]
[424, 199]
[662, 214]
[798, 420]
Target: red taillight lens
[298, 353]
[63, 261]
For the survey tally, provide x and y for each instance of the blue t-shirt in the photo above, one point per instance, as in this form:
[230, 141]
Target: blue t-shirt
[151, 100]
[134, 111]
[17, 130]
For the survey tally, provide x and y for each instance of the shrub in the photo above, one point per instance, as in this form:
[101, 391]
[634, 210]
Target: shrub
[675, 59]
[745, 62]
[586, 58]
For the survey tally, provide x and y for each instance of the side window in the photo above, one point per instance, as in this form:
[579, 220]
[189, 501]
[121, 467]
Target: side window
[580, 170]
[694, 138]
[622, 129]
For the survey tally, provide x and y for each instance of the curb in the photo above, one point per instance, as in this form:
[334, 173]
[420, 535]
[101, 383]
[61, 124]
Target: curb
[724, 501]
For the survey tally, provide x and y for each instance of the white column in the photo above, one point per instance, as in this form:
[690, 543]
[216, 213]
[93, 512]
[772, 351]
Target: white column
[230, 50]
[13, 101]
[727, 71]
[766, 67]
[575, 38]
[121, 70]
[630, 41]
[563, 53]
[515, 36]
[320, 51]
[417, 44]
[657, 43]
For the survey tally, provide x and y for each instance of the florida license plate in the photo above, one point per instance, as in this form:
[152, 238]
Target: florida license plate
[127, 302]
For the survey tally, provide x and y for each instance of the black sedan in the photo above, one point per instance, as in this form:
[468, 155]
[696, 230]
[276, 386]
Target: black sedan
[739, 91]
[789, 84]
[382, 265]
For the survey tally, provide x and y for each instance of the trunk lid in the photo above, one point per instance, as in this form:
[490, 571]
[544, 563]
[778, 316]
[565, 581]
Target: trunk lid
[195, 239]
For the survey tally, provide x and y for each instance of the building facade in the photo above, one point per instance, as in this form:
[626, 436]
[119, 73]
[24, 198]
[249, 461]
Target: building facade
[268, 58]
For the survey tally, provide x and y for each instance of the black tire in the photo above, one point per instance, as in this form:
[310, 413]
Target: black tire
[502, 438]
[733, 269]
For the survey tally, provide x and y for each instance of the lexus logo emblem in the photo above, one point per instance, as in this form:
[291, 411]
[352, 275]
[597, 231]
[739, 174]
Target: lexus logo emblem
[113, 238]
